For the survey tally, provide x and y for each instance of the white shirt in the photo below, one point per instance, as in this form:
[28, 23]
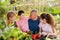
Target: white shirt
[46, 27]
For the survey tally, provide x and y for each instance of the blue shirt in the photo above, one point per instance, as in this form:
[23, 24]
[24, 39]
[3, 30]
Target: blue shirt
[34, 25]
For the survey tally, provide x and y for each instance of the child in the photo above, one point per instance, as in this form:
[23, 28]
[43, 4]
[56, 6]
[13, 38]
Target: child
[33, 24]
[47, 25]
[22, 23]
[11, 38]
[10, 19]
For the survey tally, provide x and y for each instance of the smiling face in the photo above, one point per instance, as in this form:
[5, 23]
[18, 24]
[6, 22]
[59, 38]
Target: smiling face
[43, 20]
[33, 15]
[12, 18]
[22, 16]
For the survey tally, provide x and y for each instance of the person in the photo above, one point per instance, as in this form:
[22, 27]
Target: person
[33, 23]
[47, 25]
[11, 38]
[10, 19]
[22, 23]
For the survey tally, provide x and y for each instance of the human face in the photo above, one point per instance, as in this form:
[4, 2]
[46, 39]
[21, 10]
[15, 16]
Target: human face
[22, 16]
[33, 15]
[12, 18]
[42, 20]
[11, 38]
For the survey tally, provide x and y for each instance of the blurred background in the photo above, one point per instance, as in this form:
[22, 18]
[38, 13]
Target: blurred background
[48, 6]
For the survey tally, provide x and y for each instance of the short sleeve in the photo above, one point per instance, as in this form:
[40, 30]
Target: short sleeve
[40, 25]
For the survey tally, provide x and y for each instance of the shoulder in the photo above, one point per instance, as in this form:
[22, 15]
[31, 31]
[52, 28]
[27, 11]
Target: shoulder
[49, 25]
[38, 18]
[29, 20]
[26, 17]
[40, 25]
[18, 21]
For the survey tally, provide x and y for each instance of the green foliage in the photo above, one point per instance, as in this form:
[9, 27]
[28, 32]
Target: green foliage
[1, 38]
[21, 5]
[2, 11]
[56, 10]
[15, 32]
[28, 38]
[2, 24]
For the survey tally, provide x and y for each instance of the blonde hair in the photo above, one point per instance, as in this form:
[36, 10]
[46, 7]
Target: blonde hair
[10, 14]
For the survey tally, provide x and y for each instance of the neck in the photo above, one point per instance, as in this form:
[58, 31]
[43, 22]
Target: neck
[21, 19]
[45, 22]
[10, 21]
[35, 18]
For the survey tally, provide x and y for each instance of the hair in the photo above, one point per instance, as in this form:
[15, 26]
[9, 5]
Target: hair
[12, 37]
[20, 12]
[49, 18]
[10, 14]
[34, 11]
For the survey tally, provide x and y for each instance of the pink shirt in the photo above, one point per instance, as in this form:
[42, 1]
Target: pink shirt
[23, 24]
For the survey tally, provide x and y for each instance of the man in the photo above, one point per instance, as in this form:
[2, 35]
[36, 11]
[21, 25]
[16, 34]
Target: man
[33, 22]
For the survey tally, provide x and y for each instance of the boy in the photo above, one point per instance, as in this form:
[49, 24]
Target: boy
[22, 23]
[34, 22]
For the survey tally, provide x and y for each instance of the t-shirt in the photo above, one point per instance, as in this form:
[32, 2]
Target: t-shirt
[23, 24]
[34, 25]
[46, 27]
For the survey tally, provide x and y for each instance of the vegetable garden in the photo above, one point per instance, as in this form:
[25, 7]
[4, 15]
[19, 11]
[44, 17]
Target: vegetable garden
[52, 7]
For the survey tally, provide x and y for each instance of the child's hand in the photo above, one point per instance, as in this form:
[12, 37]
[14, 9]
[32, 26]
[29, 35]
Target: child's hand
[51, 34]
[44, 33]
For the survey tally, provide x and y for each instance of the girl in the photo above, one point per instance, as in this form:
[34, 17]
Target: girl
[10, 19]
[47, 25]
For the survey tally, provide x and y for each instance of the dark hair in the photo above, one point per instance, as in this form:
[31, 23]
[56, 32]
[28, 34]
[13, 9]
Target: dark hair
[10, 14]
[20, 12]
[43, 16]
[12, 37]
[49, 19]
